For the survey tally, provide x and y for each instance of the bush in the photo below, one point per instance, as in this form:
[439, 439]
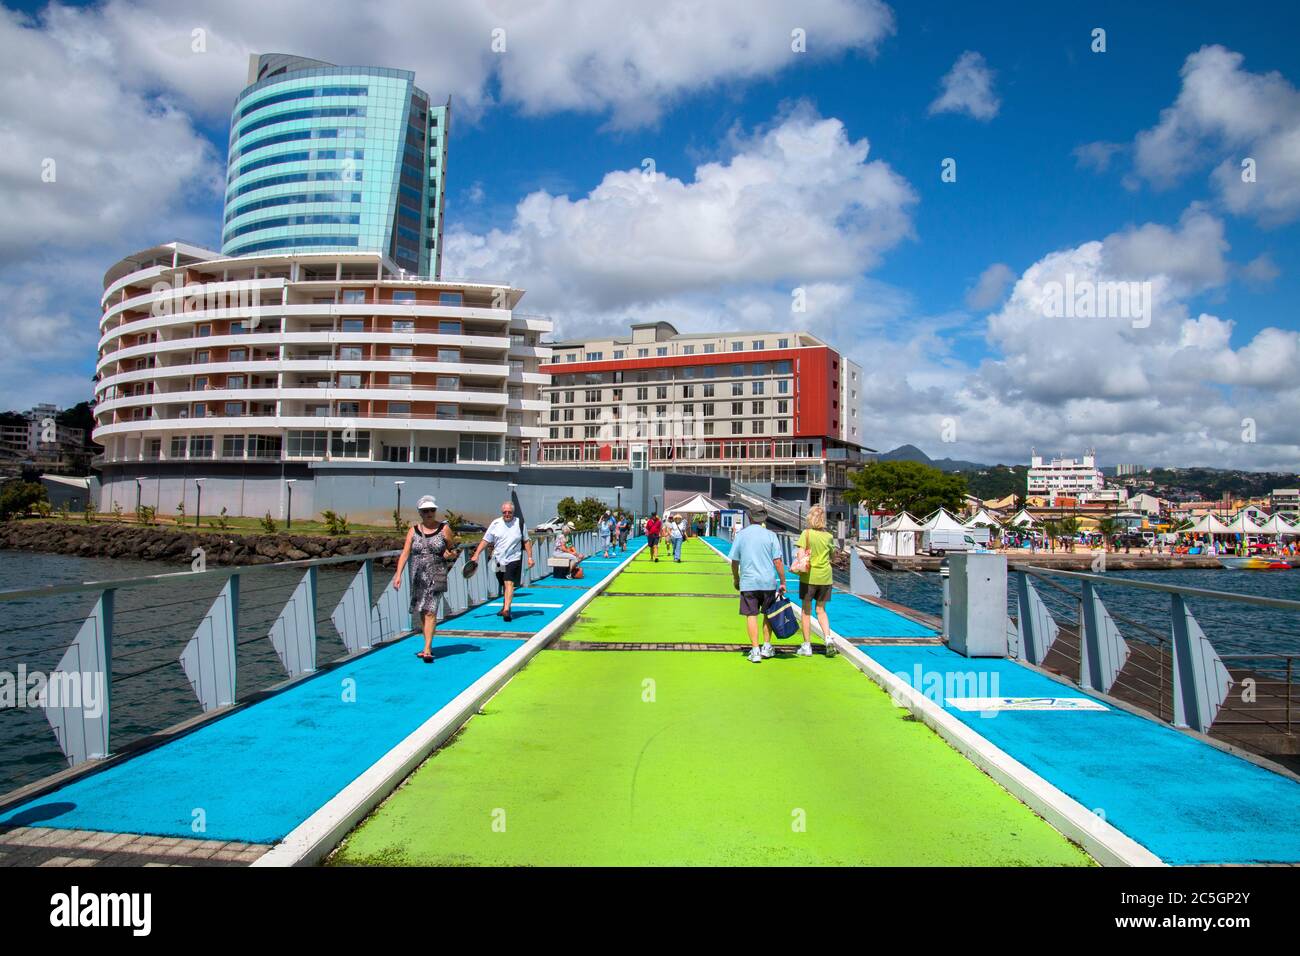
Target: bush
[268, 523]
[335, 523]
[18, 497]
[584, 514]
[221, 521]
[146, 514]
[89, 511]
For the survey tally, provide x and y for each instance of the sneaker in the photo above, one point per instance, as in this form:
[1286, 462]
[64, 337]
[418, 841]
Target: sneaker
[755, 656]
[506, 616]
[805, 650]
[831, 649]
[768, 650]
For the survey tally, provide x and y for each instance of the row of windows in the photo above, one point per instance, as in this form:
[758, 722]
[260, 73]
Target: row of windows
[303, 156]
[707, 410]
[294, 242]
[291, 200]
[689, 451]
[303, 94]
[293, 136]
[320, 112]
[663, 429]
[661, 351]
[314, 219]
[232, 446]
[314, 176]
[662, 392]
[735, 370]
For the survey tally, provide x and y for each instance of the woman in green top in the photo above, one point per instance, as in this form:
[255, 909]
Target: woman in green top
[815, 583]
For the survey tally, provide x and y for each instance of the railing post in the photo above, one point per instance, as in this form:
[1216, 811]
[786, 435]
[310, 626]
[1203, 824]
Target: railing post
[209, 657]
[78, 717]
[1102, 649]
[1201, 681]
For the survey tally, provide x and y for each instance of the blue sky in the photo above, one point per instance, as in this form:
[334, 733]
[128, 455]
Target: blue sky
[549, 137]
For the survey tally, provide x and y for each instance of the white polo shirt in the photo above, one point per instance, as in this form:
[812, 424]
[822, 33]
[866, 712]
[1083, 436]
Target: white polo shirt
[507, 540]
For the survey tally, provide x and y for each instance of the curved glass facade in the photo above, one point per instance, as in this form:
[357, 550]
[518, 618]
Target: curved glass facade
[368, 132]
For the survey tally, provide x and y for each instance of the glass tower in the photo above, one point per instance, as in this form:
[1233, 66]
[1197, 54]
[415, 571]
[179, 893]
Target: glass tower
[327, 158]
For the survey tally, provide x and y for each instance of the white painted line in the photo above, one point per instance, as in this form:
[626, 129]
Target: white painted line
[514, 604]
[313, 839]
[1103, 842]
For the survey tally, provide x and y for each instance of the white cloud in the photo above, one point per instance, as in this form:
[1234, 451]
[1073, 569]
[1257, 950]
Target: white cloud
[797, 203]
[968, 88]
[1096, 156]
[990, 288]
[622, 57]
[1223, 116]
[1261, 271]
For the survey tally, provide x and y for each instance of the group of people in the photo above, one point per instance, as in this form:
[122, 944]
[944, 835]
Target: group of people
[758, 572]
[758, 569]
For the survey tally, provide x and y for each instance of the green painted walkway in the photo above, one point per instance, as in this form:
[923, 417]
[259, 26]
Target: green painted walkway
[696, 758]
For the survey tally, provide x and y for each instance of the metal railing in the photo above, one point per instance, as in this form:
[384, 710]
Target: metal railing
[1156, 655]
[143, 648]
[782, 512]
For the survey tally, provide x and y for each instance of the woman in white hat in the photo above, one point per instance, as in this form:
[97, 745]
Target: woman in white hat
[431, 549]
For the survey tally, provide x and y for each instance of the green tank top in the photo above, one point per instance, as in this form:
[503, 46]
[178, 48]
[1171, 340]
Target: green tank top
[819, 545]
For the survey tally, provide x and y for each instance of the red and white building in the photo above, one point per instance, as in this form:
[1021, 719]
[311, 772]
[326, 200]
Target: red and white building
[765, 408]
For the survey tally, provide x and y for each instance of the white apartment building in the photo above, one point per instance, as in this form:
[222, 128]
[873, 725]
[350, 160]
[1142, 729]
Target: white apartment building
[311, 357]
[1068, 477]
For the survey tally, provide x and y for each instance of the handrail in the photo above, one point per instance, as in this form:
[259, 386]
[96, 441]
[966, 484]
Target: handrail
[50, 590]
[1281, 603]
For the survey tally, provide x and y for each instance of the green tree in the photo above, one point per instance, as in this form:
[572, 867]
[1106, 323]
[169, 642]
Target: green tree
[1110, 529]
[17, 497]
[906, 486]
[584, 514]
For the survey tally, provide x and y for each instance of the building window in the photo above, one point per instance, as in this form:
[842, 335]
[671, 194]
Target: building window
[232, 446]
[737, 408]
[708, 409]
[404, 297]
[618, 353]
[399, 409]
[350, 444]
[351, 353]
[757, 408]
[708, 428]
[595, 356]
[737, 428]
[449, 327]
[783, 426]
[350, 381]
[177, 448]
[708, 390]
[354, 296]
[783, 343]
[642, 353]
[783, 386]
[737, 346]
[403, 325]
[354, 325]
[451, 355]
[234, 409]
[758, 345]
[709, 348]
[758, 428]
[737, 388]
[200, 446]
[307, 444]
[758, 388]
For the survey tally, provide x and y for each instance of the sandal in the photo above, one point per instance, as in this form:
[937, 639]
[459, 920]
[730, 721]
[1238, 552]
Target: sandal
[424, 656]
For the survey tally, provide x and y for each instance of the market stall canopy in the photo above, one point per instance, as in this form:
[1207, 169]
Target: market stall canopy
[983, 520]
[941, 520]
[1023, 519]
[1208, 524]
[1279, 525]
[700, 504]
[901, 522]
[1244, 524]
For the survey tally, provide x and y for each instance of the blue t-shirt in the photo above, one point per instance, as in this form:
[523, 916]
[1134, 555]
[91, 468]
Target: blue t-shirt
[755, 548]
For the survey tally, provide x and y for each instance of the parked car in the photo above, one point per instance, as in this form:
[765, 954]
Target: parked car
[550, 527]
[941, 542]
[469, 527]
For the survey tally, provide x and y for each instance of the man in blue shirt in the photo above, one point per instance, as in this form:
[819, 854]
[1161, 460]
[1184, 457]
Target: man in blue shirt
[759, 575]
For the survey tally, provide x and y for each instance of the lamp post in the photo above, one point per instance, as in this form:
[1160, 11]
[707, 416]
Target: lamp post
[137, 496]
[618, 491]
[198, 505]
[288, 514]
[514, 500]
[399, 500]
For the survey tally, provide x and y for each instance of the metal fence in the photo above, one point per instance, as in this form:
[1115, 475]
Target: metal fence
[1158, 657]
[144, 648]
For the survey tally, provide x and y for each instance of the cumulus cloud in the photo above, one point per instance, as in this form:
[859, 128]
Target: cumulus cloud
[968, 88]
[990, 288]
[1261, 271]
[798, 202]
[1096, 156]
[622, 57]
[1225, 116]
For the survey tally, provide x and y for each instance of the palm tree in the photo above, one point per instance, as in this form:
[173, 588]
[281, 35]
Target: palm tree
[1069, 527]
[1110, 528]
[1052, 531]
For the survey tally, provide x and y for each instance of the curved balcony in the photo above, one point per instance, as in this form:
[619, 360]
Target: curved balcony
[274, 424]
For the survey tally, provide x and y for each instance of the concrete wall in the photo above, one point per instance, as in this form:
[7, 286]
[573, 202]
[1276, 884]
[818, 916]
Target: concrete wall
[366, 493]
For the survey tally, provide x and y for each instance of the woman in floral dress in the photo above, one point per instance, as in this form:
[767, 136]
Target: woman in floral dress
[430, 549]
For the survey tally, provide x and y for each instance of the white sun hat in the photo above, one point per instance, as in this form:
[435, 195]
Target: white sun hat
[426, 502]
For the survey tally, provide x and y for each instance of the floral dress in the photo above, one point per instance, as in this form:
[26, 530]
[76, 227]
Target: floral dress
[428, 571]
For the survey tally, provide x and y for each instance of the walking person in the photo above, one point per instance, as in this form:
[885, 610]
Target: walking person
[509, 544]
[653, 528]
[815, 580]
[759, 575]
[430, 549]
[605, 530]
[676, 534]
[622, 528]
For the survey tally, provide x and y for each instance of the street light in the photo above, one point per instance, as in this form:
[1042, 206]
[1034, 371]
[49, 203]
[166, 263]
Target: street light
[137, 496]
[619, 491]
[399, 499]
[288, 514]
[198, 505]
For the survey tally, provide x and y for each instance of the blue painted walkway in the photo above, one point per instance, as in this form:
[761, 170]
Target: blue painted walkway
[258, 772]
[1184, 800]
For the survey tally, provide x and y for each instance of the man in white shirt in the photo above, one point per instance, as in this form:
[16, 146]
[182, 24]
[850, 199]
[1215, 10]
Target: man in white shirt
[507, 538]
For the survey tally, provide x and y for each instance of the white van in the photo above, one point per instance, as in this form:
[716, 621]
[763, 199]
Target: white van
[941, 542]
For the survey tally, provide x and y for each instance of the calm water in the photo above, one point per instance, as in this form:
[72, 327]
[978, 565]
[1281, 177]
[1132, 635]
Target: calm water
[151, 624]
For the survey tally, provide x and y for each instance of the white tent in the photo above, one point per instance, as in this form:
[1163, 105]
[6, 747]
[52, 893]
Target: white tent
[1023, 519]
[941, 520]
[1244, 524]
[897, 536]
[983, 520]
[699, 504]
[1278, 525]
[1208, 524]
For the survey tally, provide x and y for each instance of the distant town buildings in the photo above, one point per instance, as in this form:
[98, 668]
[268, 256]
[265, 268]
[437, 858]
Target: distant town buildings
[1122, 471]
[1064, 477]
[39, 441]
